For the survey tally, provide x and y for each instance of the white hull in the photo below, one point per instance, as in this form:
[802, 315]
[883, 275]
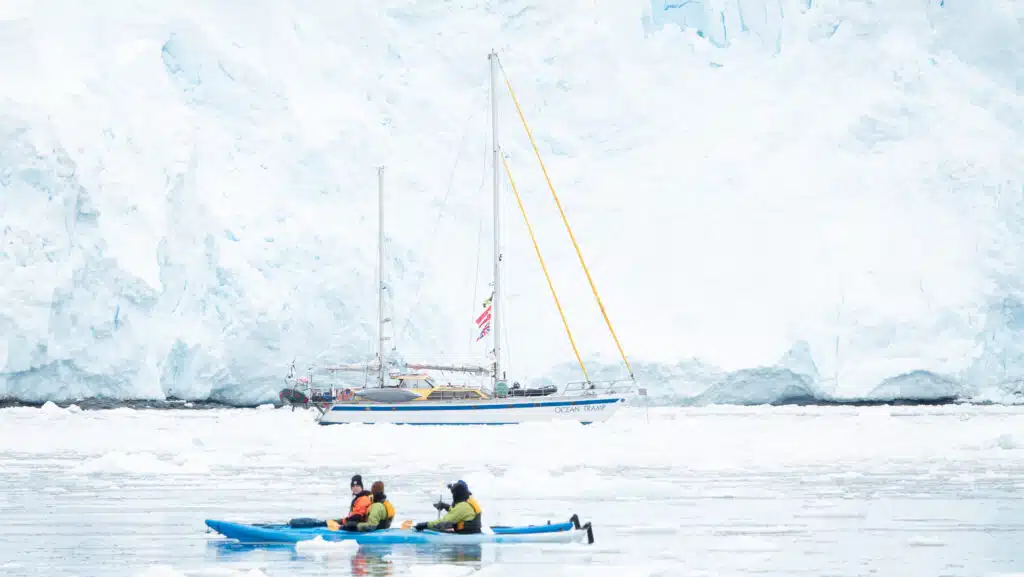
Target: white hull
[507, 411]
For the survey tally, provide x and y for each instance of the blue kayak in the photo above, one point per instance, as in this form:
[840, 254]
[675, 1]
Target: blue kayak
[549, 533]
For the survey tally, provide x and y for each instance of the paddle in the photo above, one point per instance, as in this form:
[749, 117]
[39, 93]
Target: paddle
[409, 523]
[335, 526]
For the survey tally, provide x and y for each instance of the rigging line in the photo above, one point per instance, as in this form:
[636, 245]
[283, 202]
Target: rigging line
[508, 281]
[507, 349]
[476, 277]
[544, 267]
[377, 326]
[440, 216]
[476, 282]
[572, 237]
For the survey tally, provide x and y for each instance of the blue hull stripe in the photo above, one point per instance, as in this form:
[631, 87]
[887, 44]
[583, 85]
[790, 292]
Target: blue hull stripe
[426, 406]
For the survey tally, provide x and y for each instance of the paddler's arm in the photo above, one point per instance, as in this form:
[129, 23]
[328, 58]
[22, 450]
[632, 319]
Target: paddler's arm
[460, 512]
[377, 513]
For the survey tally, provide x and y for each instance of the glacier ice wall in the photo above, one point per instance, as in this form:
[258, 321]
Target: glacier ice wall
[187, 191]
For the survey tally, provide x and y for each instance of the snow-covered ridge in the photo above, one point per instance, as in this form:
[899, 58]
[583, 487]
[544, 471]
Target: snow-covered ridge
[187, 197]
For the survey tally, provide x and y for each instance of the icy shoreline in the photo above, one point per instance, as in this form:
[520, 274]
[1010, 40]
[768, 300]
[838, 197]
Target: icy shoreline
[94, 403]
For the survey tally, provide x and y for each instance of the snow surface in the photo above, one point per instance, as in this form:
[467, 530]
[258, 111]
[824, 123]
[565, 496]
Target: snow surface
[187, 192]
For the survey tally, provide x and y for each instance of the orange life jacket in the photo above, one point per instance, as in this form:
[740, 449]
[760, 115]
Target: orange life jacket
[360, 507]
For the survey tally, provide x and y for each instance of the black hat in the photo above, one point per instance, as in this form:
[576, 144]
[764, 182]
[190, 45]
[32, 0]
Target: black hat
[356, 480]
[460, 491]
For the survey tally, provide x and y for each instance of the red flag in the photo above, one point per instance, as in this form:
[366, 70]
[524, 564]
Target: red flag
[484, 317]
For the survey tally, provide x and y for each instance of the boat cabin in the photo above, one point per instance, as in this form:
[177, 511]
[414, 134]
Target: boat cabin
[428, 390]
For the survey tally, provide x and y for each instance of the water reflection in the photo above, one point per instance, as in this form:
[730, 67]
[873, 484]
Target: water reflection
[370, 562]
[224, 550]
[366, 560]
[379, 560]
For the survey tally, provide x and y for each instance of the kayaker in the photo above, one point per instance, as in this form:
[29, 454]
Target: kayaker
[358, 509]
[382, 512]
[464, 514]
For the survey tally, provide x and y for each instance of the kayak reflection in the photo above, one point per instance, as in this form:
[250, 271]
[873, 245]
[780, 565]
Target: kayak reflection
[366, 560]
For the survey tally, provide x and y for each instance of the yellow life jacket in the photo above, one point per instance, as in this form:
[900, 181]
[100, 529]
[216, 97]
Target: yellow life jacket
[474, 525]
[389, 514]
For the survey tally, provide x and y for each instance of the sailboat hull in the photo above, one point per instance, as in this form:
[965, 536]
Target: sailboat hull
[508, 411]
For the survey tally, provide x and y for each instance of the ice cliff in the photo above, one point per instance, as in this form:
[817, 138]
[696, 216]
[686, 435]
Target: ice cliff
[776, 197]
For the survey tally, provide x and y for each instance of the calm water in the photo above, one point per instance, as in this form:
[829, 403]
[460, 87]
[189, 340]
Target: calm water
[944, 502]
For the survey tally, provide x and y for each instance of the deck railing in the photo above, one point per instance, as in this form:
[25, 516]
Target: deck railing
[618, 386]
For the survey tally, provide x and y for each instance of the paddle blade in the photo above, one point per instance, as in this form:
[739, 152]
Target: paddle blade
[333, 525]
[407, 524]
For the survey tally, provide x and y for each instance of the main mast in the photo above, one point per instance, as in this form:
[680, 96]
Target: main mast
[496, 300]
[380, 276]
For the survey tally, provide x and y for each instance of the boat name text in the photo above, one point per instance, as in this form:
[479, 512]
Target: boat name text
[578, 408]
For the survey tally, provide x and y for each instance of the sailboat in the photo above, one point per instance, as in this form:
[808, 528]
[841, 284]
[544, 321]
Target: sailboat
[407, 394]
